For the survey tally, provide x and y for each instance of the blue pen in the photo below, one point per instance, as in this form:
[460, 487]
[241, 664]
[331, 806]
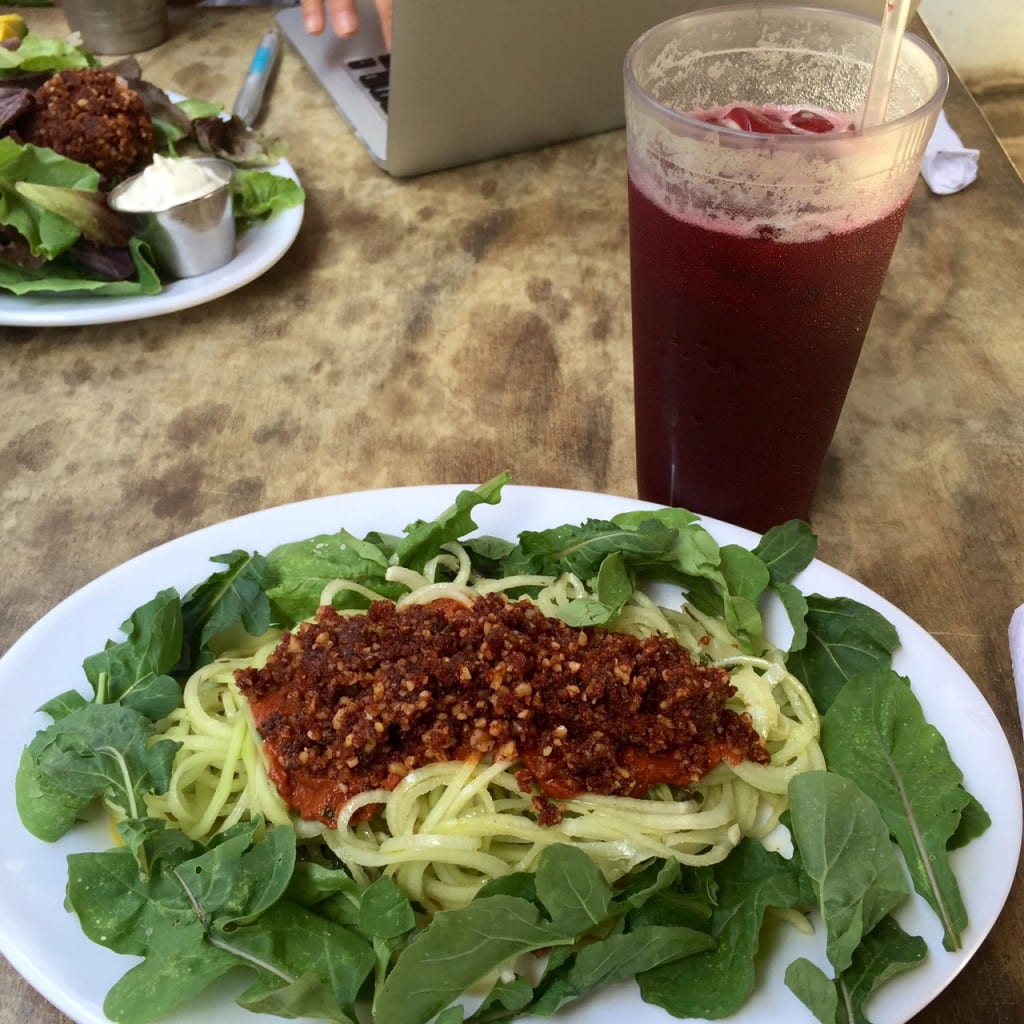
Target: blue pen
[250, 96]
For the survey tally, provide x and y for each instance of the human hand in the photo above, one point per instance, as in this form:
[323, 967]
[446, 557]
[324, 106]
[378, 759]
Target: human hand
[343, 17]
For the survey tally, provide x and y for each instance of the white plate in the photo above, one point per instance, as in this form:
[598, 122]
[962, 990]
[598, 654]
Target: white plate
[259, 248]
[45, 944]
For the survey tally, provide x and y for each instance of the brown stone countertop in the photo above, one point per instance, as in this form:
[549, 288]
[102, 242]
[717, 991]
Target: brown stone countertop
[444, 328]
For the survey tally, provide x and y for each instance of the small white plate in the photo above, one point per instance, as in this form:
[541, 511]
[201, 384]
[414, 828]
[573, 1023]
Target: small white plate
[259, 248]
[46, 945]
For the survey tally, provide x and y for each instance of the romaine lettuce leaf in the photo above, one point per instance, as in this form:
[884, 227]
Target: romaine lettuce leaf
[259, 194]
[41, 53]
[47, 233]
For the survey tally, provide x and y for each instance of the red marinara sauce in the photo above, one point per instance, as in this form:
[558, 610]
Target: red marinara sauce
[348, 703]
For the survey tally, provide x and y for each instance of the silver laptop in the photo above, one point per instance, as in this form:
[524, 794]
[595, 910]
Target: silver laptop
[467, 80]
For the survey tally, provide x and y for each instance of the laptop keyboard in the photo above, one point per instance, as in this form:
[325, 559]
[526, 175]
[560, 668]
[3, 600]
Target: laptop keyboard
[374, 75]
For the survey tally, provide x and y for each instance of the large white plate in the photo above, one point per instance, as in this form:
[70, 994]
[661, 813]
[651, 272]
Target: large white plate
[259, 248]
[45, 944]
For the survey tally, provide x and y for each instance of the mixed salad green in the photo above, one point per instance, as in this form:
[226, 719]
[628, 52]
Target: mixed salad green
[57, 233]
[891, 806]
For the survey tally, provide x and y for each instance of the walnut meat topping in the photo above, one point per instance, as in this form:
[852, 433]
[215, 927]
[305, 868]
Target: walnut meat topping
[350, 703]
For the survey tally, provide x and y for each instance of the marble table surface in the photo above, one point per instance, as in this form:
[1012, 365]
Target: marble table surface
[444, 328]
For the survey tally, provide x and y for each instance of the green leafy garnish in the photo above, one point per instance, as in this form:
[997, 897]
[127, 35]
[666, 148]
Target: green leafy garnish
[257, 195]
[93, 752]
[717, 983]
[875, 733]
[198, 916]
[40, 53]
[844, 844]
[886, 951]
[46, 232]
[844, 638]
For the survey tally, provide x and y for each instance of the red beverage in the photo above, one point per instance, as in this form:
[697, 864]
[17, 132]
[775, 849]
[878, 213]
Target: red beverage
[745, 342]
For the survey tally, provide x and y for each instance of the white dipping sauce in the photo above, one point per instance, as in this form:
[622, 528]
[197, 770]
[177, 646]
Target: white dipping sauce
[166, 183]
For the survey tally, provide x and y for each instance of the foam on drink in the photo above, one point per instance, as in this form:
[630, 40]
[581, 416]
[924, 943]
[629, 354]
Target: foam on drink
[808, 183]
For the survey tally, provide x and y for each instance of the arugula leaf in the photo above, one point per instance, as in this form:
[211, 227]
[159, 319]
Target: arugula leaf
[653, 881]
[718, 982]
[95, 751]
[572, 890]
[885, 952]
[46, 809]
[815, 989]
[618, 957]
[195, 920]
[331, 893]
[104, 748]
[461, 947]
[458, 949]
[153, 840]
[62, 705]
[846, 850]
[795, 605]
[693, 552]
[424, 539]
[667, 545]
[135, 672]
[508, 999]
[844, 638]
[307, 996]
[488, 553]
[581, 549]
[974, 821]
[614, 585]
[236, 596]
[733, 592]
[787, 550]
[303, 568]
[384, 912]
[289, 944]
[876, 734]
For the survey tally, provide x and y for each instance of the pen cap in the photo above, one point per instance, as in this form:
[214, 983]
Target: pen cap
[250, 97]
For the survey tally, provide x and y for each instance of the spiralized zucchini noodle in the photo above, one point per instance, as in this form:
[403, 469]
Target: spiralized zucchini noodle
[447, 828]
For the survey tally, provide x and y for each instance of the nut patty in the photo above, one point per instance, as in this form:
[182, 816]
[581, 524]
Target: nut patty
[93, 116]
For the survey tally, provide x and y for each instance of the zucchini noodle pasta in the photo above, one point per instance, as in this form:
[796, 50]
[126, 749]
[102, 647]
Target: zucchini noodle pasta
[446, 828]
[219, 776]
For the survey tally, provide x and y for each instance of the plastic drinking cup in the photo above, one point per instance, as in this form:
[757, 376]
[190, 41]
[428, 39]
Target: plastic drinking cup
[757, 259]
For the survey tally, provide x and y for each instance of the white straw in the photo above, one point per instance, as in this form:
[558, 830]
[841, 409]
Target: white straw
[894, 23]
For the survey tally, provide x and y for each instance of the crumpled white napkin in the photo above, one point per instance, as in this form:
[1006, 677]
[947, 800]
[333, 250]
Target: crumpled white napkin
[948, 166]
[1017, 657]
